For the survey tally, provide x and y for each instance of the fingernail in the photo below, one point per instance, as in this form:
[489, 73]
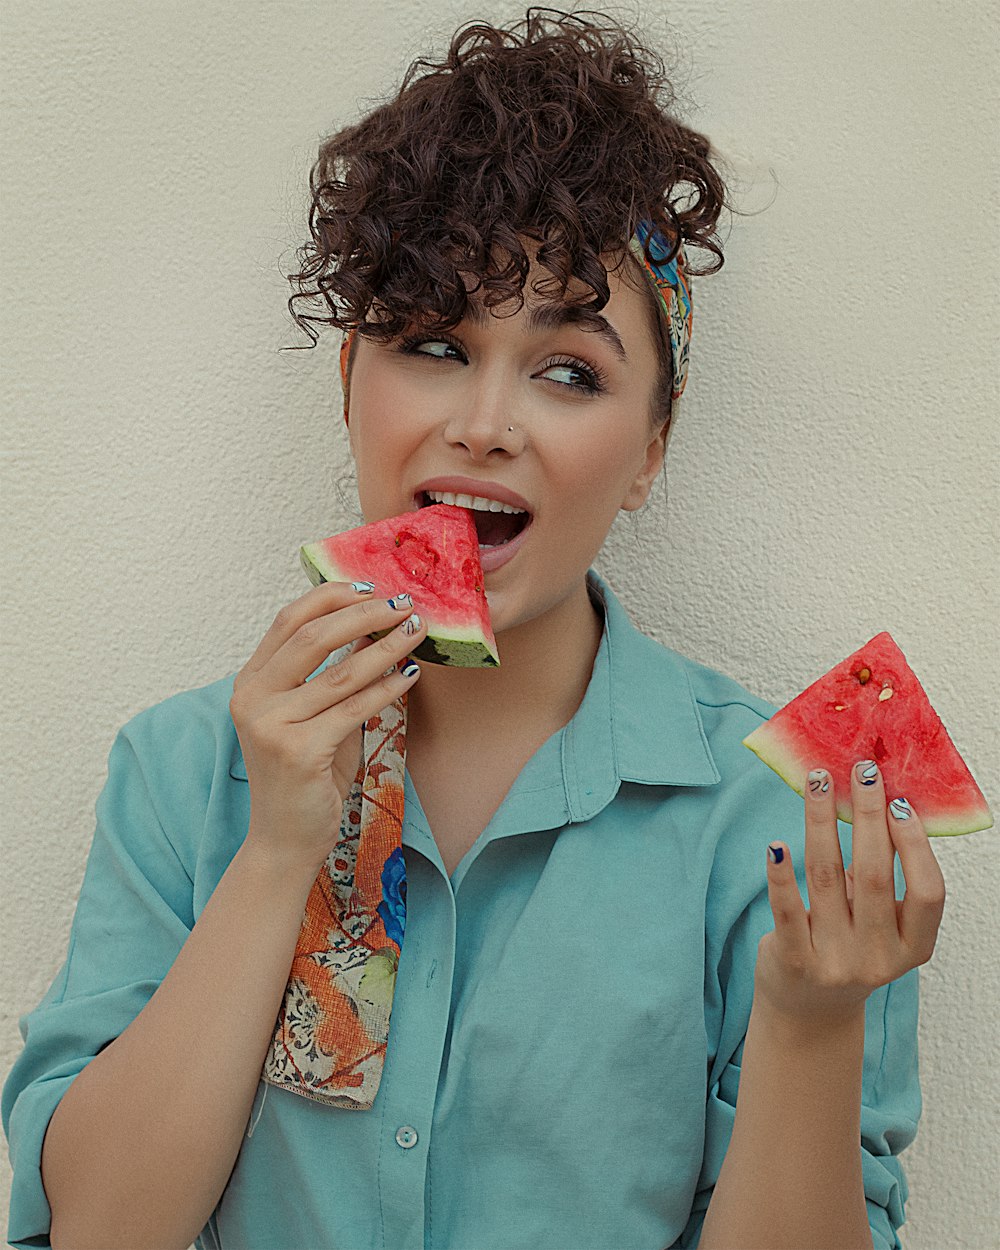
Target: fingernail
[819, 782]
[362, 588]
[411, 624]
[402, 603]
[867, 772]
[901, 809]
[410, 670]
[776, 854]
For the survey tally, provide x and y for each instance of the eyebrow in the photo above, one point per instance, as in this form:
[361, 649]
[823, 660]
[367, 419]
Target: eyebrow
[554, 316]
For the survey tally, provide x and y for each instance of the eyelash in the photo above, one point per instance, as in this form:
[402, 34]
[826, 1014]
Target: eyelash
[596, 377]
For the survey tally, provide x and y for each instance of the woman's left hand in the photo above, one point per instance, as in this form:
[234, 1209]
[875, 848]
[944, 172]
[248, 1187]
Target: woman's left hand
[819, 965]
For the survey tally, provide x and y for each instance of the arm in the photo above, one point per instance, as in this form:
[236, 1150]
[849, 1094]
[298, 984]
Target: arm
[144, 1056]
[791, 1179]
[798, 1116]
[141, 1146]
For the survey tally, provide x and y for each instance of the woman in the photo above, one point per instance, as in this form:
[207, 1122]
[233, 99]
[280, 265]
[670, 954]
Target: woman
[587, 958]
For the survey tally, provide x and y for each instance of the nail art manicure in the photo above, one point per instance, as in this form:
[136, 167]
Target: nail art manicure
[410, 670]
[901, 809]
[776, 854]
[867, 772]
[402, 603]
[363, 588]
[819, 782]
[411, 624]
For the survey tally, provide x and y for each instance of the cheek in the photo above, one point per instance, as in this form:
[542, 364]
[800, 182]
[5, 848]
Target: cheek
[599, 467]
[382, 425]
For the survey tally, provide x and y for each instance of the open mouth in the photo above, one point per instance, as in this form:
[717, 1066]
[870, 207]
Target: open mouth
[495, 529]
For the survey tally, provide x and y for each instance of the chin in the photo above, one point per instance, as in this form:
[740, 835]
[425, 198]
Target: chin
[498, 602]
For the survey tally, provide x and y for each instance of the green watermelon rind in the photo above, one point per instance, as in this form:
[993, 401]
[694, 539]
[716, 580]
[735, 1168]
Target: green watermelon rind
[454, 652]
[459, 648]
[766, 744]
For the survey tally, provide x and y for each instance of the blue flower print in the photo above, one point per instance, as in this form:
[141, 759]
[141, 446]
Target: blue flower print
[392, 908]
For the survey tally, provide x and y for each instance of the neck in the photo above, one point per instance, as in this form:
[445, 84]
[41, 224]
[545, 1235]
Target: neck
[545, 667]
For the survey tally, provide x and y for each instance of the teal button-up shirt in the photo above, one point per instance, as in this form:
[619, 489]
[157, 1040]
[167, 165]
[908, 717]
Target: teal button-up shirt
[571, 1005]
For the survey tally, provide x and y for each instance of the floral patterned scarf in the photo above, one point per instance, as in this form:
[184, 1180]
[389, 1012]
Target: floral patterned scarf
[333, 1027]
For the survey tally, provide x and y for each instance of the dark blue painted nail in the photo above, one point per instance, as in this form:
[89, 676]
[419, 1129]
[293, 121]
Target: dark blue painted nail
[776, 854]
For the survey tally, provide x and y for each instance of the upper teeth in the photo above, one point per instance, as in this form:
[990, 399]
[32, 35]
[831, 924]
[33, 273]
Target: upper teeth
[479, 502]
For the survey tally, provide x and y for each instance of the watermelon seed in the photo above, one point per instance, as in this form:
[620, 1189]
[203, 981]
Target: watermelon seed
[887, 693]
[838, 707]
[865, 676]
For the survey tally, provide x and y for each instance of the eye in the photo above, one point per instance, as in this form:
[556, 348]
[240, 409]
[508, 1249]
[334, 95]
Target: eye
[593, 379]
[412, 344]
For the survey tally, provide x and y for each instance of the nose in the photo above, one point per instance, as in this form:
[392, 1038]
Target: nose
[485, 423]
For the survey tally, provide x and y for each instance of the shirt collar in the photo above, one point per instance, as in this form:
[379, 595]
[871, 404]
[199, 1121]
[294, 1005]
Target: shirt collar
[639, 720]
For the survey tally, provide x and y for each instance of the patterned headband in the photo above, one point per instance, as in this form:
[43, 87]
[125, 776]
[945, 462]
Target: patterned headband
[671, 286]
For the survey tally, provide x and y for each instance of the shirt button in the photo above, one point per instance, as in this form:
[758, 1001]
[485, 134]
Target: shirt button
[406, 1136]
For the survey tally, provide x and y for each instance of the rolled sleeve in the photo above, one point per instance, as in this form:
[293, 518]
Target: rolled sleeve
[133, 916]
[891, 1104]
[890, 1112]
[738, 916]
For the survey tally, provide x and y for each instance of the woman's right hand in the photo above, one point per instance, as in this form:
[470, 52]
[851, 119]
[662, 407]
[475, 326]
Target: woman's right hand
[301, 740]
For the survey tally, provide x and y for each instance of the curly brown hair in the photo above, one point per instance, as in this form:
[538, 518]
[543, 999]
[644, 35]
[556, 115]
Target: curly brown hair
[562, 136]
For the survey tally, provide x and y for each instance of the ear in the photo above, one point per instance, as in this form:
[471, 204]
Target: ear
[656, 449]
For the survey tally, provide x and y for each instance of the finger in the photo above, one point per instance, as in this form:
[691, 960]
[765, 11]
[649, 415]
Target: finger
[791, 923]
[829, 908]
[353, 674]
[315, 640]
[341, 717]
[873, 854]
[361, 644]
[919, 914]
[319, 601]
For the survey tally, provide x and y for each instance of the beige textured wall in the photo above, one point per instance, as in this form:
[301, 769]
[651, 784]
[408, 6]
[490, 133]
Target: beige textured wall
[832, 474]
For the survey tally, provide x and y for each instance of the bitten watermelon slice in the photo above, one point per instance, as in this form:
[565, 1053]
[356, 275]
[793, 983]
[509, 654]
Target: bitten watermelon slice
[872, 707]
[433, 554]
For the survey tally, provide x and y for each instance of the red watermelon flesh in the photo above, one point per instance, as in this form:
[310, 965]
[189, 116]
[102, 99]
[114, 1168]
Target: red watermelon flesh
[431, 554]
[872, 707]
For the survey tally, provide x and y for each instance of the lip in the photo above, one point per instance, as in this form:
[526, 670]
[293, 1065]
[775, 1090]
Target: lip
[495, 557]
[471, 486]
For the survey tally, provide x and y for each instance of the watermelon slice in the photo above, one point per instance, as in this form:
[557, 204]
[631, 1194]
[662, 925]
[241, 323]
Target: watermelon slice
[872, 707]
[434, 555]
